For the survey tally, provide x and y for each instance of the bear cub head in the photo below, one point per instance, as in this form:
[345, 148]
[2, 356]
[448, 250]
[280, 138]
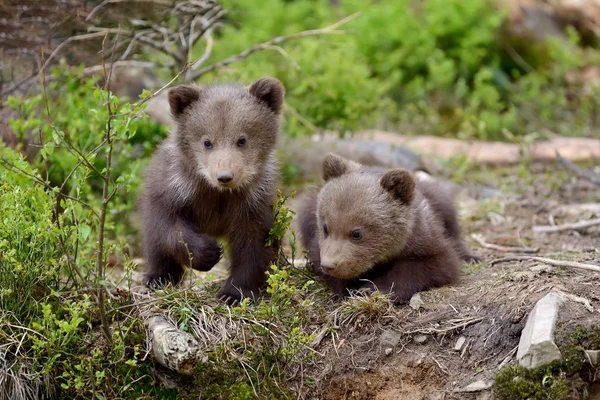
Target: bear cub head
[228, 132]
[364, 216]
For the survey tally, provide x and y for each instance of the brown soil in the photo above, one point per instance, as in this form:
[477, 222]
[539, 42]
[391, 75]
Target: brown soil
[387, 359]
[488, 308]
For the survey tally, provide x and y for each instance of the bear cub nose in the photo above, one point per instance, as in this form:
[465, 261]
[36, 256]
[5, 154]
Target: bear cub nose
[327, 265]
[225, 177]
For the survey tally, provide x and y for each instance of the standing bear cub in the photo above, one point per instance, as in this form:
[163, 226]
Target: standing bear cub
[215, 176]
[369, 227]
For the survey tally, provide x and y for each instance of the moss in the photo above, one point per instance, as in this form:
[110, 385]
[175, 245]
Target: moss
[562, 380]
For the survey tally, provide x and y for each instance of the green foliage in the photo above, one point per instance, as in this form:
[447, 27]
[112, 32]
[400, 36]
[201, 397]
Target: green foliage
[50, 305]
[445, 67]
[30, 259]
[77, 126]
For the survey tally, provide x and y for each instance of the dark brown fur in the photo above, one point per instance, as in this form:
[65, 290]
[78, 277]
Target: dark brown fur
[411, 238]
[185, 205]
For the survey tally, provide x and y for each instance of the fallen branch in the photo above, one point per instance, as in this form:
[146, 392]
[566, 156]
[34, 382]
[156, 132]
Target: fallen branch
[332, 29]
[578, 299]
[507, 249]
[454, 325]
[555, 263]
[584, 173]
[172, 347]
[575, 226]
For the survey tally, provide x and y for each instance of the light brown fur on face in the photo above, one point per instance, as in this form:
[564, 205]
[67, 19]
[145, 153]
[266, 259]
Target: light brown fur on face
[225, 135]
[377, 228]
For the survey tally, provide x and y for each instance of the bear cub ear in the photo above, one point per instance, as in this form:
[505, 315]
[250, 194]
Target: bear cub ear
[335, 166]
[400, 183]
[181, 97]
[270, 92]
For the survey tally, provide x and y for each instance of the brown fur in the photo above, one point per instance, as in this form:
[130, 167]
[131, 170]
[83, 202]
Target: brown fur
[409, 236]
[186, 204]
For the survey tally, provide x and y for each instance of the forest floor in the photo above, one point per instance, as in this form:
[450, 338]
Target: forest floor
[408, 353]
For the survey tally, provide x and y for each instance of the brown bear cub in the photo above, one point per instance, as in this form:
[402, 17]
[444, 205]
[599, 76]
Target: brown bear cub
[369, 227]
[215, 176]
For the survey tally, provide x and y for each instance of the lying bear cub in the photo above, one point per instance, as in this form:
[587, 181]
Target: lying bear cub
[384, 229]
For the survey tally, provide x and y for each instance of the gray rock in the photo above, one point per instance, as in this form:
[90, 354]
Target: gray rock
[477, 386]
[388, 351]
[415, 301]
[593, 357]
[304, 156]
[389, 339]
[459, 343]
[537, 347]
[420, 339]
[435, 396]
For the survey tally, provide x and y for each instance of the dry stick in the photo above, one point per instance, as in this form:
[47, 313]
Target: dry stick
[575, 226]
[588, 175]
[556, 263]
[332, 29]
[71, 39]
[508, 249]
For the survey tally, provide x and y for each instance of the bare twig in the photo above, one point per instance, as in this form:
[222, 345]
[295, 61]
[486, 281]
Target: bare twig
[207, 52]
[585, 174]
[508, 249]
[86, 36]
[575, 226]
[119, 64]
[556, 263]
[332, 29]
[162, 47]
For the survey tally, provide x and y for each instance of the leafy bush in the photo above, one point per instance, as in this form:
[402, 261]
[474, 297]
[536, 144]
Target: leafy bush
[445, 67]
[76, 127]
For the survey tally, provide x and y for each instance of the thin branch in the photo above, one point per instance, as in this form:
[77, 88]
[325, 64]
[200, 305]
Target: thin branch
[161, 47]
[507, 249]
[332, 29]
[205, 56]
[67, 41]
[555, 263]
[585, 174]
[119, 64]
[575, 226]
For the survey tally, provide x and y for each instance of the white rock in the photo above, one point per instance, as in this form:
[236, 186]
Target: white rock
[459, 343]
[388, 351]
[477, 386]
[540, 268]
[420, 339]
[389, 338]
[415, 301]
[593, 357]
[537, 347]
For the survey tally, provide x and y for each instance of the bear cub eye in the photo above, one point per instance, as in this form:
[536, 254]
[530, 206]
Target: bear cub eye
[241, 142]
[325, 230]
[356, 235]
[207, 144]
